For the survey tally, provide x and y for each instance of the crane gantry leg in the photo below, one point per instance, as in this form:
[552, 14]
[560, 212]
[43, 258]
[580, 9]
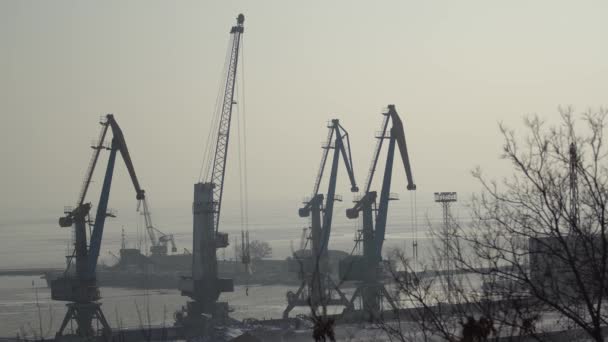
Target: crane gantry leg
[84, 314]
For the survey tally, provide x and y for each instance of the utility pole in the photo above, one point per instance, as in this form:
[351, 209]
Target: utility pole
[123, 242]
[446, 199]
[39, 312]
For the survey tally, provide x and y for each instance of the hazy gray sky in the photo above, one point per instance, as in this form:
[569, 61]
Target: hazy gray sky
[452, 68]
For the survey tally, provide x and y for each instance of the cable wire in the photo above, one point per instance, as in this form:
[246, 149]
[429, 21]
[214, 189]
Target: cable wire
[209, 147]
[246, 186]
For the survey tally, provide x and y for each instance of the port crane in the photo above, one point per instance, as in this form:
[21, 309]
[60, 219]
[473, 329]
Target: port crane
[204, 286]
[317, 286]
[160, 244]
[366, 268]
[78, 284]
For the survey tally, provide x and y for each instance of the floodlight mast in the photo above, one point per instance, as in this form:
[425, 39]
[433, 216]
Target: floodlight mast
[446, 199]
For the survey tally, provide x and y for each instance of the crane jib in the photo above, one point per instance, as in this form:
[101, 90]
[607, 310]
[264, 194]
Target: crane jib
[124, 151]
[92, 163]
[398, 133]
[338, 133]
[329, 201]
[384, 200]
[221, 147]
[102, 207]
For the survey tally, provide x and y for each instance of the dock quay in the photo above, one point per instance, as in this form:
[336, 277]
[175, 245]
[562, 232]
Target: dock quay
[28, 271]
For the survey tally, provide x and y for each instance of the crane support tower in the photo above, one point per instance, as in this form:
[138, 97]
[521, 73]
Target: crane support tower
[317, 287]
[204, 286]
[78, 284]
[366, 268]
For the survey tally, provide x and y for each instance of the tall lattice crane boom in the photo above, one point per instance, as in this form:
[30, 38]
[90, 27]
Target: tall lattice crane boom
[221, 147]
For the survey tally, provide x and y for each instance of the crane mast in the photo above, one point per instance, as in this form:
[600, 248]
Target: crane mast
[316, 287]
[204, 286]
[366, 268]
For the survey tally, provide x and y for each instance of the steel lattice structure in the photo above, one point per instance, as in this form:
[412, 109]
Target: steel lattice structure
[221, 146]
